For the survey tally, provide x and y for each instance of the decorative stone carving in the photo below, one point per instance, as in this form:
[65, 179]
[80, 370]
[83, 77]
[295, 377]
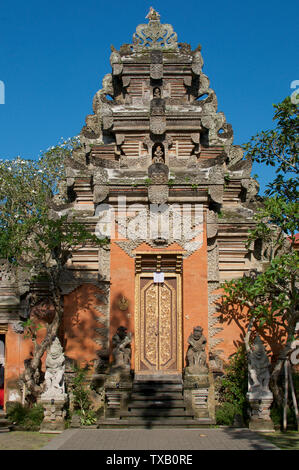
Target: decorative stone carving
[219, 131]
[258, 369]
[157, 115]
[101, 363]
[196, 355]
[197, 61]
[156, 67]
[196, 380]
[158, 190]
[122, 350]
[102, 117]
[158, 194]
[158, 173]
[100, 193]
[55, 366]
[216, 193]
[157, 124]
[115, 61]
[54, 397]
[154, 35]
[235, 155]
[101, 188]
[123, 303]
[213, 260]
[158, 155]
[107, 118]
[252, 188]
[259, 395]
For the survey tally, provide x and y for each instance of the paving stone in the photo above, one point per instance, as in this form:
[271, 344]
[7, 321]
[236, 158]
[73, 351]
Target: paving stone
[159, 439]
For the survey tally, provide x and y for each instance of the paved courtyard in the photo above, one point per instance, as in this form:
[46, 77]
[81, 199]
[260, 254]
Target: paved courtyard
[159, 439]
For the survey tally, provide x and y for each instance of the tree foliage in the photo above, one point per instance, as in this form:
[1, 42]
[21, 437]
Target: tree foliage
[269, 297]
[35, 240]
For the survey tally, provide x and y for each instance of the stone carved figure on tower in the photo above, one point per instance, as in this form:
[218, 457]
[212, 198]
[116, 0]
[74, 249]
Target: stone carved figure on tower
[122, 348]
[258, 368]
[158, 155]
[196, 355]
[102, 118]
[157, 92]
[55, 367]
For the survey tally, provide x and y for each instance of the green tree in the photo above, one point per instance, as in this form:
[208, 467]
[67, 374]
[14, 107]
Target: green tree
[269, 298]
[37, 242]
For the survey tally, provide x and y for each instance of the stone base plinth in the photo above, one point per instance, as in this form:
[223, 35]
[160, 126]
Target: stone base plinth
[260, 419]
[196, 394]
[54, 414]
[117, 392]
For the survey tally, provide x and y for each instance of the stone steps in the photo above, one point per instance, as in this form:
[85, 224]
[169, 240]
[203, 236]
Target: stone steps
[154, 403]
[157, 387]
[157, 403]
[158, 412]
[5, 426]
[152, 423]
[170, 396]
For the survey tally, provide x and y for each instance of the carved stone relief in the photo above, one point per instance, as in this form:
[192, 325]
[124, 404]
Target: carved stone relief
[154, 35]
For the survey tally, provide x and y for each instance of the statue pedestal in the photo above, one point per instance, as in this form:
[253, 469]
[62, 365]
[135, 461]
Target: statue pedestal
[196, 393]
[260, 419]
[54, 413]
[117, 392]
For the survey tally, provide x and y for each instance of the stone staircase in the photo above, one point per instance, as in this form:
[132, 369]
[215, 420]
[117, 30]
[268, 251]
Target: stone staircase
[156, 403]
[4, 423]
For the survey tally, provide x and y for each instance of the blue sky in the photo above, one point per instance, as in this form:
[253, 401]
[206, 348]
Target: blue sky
[54, 54]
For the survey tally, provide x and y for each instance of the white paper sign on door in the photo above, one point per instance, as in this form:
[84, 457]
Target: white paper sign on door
[158, 277]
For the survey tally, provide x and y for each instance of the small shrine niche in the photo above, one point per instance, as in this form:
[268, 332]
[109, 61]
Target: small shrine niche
[158, 153]
[157, 94]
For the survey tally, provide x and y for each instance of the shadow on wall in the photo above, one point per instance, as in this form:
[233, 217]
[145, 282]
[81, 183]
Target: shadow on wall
[272, 335]
[85, 327]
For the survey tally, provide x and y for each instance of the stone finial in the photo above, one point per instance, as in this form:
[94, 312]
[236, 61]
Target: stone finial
[153, 15]
[154, 35]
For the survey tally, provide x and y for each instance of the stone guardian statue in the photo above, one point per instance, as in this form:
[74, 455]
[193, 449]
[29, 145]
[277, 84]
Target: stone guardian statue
[122, 349]
[55, 367]
[258, 369]
[259, 394]
[54, 397]
[196, 355]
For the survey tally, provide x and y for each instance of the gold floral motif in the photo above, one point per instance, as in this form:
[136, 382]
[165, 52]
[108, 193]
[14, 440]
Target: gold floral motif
[165, 349]
[151, 324]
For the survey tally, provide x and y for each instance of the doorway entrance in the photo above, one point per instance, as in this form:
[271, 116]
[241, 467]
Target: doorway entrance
[158, 321]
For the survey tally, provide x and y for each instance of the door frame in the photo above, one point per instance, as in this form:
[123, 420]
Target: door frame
[179, 320]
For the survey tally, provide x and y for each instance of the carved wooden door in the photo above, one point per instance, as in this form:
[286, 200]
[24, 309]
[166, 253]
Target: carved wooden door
[159, 326]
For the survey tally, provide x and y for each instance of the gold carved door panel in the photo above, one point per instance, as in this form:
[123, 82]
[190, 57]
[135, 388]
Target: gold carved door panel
[158, 326]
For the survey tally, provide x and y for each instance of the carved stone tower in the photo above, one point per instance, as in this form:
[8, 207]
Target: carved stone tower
[158, 174]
